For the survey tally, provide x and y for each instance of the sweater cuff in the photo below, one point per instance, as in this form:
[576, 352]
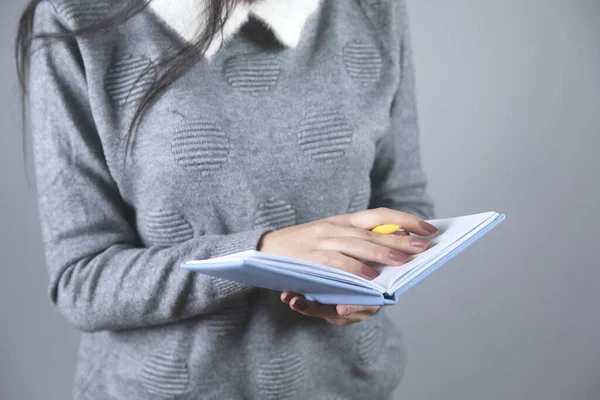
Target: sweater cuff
[237, 242]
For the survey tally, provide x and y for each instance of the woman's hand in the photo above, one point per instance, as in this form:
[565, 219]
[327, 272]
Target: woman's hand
[346, 242]
[340, 315]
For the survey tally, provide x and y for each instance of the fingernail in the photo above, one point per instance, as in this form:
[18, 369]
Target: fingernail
[428, 227]
[301, 305]
[420, 243]
[369, 272]
[342, 311]
[287, 298]
[398, 256]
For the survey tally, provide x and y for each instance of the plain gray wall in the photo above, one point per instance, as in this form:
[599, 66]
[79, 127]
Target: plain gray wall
[509, 96]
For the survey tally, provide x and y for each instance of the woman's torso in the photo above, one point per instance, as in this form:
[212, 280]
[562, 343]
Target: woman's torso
[259, 136]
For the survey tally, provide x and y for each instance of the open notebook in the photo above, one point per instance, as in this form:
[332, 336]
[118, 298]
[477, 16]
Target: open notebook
[332, 286]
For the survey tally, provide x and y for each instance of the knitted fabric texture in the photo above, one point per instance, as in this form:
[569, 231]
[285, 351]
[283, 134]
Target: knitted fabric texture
[259, 137]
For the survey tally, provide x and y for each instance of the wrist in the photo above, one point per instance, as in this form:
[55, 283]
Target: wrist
[260, 246]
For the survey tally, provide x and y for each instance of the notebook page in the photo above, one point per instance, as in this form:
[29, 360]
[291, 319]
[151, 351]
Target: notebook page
[266, 256]
[418, 270]
[335, 274]
[450, 231]
[314, 269]
[293, 264]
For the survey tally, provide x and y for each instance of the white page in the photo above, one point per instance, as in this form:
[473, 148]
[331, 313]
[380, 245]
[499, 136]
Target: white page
[335, 275]
[450, 231]
[296, 265]
[418, 270]
[318, 270]
[240, 255]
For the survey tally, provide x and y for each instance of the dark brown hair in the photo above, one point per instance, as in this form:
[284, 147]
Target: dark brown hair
[175, 64]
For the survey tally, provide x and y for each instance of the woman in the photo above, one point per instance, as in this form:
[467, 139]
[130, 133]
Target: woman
[191, 129]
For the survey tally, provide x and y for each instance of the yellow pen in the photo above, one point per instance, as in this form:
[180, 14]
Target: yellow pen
[387, 229]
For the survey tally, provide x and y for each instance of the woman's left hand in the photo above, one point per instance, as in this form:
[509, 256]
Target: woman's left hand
[340, 315]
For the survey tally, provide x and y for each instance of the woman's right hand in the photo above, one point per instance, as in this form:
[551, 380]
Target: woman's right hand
[342, 241]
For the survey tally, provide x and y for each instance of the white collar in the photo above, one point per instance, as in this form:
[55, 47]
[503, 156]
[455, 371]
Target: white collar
[286, 18]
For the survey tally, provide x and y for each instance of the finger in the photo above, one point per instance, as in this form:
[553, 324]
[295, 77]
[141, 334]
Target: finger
[354, 312]
[351, 319]
[384, 249]
[347, 310]
[337, 260]
[350, 241]
[363, 250]
[286, 297]
[402, 242]
[312, 309]
[368, 219]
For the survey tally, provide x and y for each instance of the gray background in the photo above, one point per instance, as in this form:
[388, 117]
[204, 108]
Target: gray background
[509, 96]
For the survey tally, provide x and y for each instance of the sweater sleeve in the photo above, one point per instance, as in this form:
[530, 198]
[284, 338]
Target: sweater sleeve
[100, 276]
[397, 178]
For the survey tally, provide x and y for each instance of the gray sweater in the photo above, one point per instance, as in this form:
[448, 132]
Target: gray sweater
[258, 138]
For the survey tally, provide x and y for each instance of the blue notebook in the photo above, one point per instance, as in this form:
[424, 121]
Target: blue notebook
[332, 286]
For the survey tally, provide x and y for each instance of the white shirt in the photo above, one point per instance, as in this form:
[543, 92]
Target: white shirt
[285, 18]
